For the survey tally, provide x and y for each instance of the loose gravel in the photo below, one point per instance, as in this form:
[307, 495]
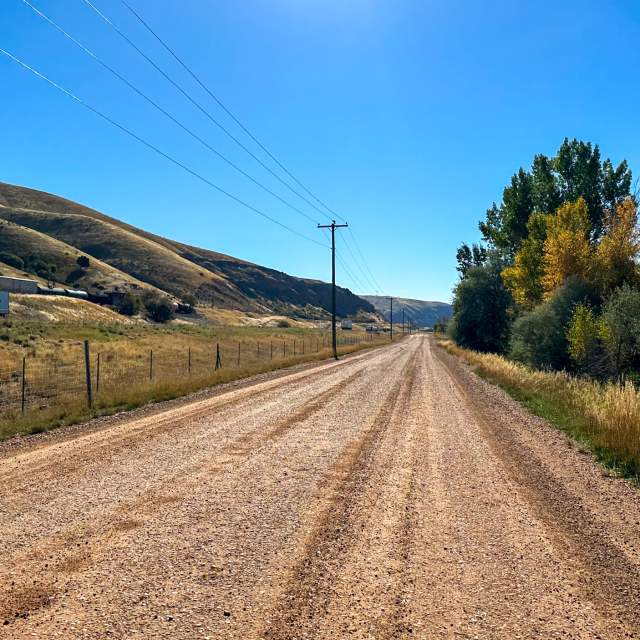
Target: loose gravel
[393, 494]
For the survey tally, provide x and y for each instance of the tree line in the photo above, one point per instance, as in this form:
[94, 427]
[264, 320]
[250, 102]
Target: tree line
[555, 282]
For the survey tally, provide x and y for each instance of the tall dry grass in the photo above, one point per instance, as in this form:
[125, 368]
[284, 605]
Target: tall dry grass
[606, 417]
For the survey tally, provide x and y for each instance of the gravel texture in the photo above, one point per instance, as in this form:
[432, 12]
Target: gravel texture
[391, 495]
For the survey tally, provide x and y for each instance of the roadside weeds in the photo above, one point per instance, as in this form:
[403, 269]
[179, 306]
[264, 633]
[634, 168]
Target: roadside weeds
[74, 411]
[603, 418]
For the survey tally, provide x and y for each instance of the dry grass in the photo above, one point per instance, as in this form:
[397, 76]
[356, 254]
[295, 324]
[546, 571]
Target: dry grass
[128, 393]
[606, 417]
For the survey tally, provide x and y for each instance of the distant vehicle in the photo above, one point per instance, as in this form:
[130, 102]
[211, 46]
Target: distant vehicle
[372, 328]
[347, 325]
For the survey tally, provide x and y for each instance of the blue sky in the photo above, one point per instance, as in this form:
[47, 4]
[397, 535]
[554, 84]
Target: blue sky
[406, 117]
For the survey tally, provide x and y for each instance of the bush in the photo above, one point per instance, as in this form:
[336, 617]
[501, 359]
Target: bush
[283, 324]
[128, 305]
[12, 260]
[539, 337]
[159, 308]
[189, 299]
[83, 262]
[480, 310]
[621, 329]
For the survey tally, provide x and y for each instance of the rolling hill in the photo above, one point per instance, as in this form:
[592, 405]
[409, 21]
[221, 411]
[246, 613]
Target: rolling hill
[38, 226]
[424, 313]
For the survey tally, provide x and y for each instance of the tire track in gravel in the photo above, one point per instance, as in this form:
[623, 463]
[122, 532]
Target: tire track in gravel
[607, 576]
[301, 610]
[123, 436]
[21, 600]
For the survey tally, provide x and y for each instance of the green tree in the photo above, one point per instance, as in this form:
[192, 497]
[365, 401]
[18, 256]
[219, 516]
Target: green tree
[539, 337]
[544, 188]
[481, 310]
[83, 262]
[505, 227]
[468, 257]
[621, 329]
[129, 304]
[159, 308]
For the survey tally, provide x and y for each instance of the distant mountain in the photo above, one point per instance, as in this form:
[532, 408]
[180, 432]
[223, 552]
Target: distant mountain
[42, 233]
[422, 312]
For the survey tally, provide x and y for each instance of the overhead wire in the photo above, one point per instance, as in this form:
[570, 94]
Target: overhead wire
[366, 271]
[167, 114]
[197, 104]
[156, 149]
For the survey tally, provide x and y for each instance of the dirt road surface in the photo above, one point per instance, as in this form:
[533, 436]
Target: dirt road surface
[390, 495]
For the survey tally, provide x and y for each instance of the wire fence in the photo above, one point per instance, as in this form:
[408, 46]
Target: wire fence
[96, 375]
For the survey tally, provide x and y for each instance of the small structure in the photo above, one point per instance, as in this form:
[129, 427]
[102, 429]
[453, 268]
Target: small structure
[18, 285]
[346, 325]
[4, 303]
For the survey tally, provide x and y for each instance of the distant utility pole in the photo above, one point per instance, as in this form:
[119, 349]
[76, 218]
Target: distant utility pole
[333, 226]
[391, 316]
[402, 320]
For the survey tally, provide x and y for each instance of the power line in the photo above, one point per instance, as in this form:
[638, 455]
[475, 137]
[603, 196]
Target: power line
[356, 281]
[151, 146]
[193, 101]
[164, 111]
[366, 271]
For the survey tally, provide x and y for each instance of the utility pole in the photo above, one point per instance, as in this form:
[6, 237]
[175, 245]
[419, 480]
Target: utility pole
[391, 316]
[402, 320]
[333, 226]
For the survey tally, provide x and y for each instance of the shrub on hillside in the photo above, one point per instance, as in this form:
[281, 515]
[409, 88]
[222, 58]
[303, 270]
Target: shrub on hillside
[128, 305]
[284, 324]
[12, 260]
[83, 262]
[159, 308]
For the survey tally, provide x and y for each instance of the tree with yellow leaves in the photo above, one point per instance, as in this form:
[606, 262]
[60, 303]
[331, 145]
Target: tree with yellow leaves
[618, 250]
[567, 250]
[524, 277]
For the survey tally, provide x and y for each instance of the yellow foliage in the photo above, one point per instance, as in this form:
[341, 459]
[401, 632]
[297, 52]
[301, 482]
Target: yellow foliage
[524, 277]
[567, 250]
[618, 250]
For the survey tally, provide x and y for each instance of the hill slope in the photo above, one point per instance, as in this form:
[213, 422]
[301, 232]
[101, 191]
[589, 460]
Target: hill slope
[424, 313]
[142, 257]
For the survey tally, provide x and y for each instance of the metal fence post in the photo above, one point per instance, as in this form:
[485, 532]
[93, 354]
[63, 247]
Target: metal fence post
[238, 353]
[151, 364]
[271, 350]
[87, 370]
[98, 374]
[189, 362]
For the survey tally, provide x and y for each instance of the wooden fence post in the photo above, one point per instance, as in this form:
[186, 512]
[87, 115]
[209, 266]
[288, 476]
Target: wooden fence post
[218, 359]
[238, 353]
[98, 374]
[189, 362]
[87, 371]
[151, 364]
[24, 381]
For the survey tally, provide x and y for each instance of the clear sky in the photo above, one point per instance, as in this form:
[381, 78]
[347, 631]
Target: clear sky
[407, 117]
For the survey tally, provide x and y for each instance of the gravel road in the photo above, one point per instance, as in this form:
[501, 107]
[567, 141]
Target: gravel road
[391, 495]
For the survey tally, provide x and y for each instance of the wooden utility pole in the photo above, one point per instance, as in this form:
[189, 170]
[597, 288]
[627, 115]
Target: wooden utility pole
[391, 316]
[333, 226]
[402, 320]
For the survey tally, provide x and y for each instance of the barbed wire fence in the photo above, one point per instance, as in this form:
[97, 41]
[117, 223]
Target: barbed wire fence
[99, 374]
